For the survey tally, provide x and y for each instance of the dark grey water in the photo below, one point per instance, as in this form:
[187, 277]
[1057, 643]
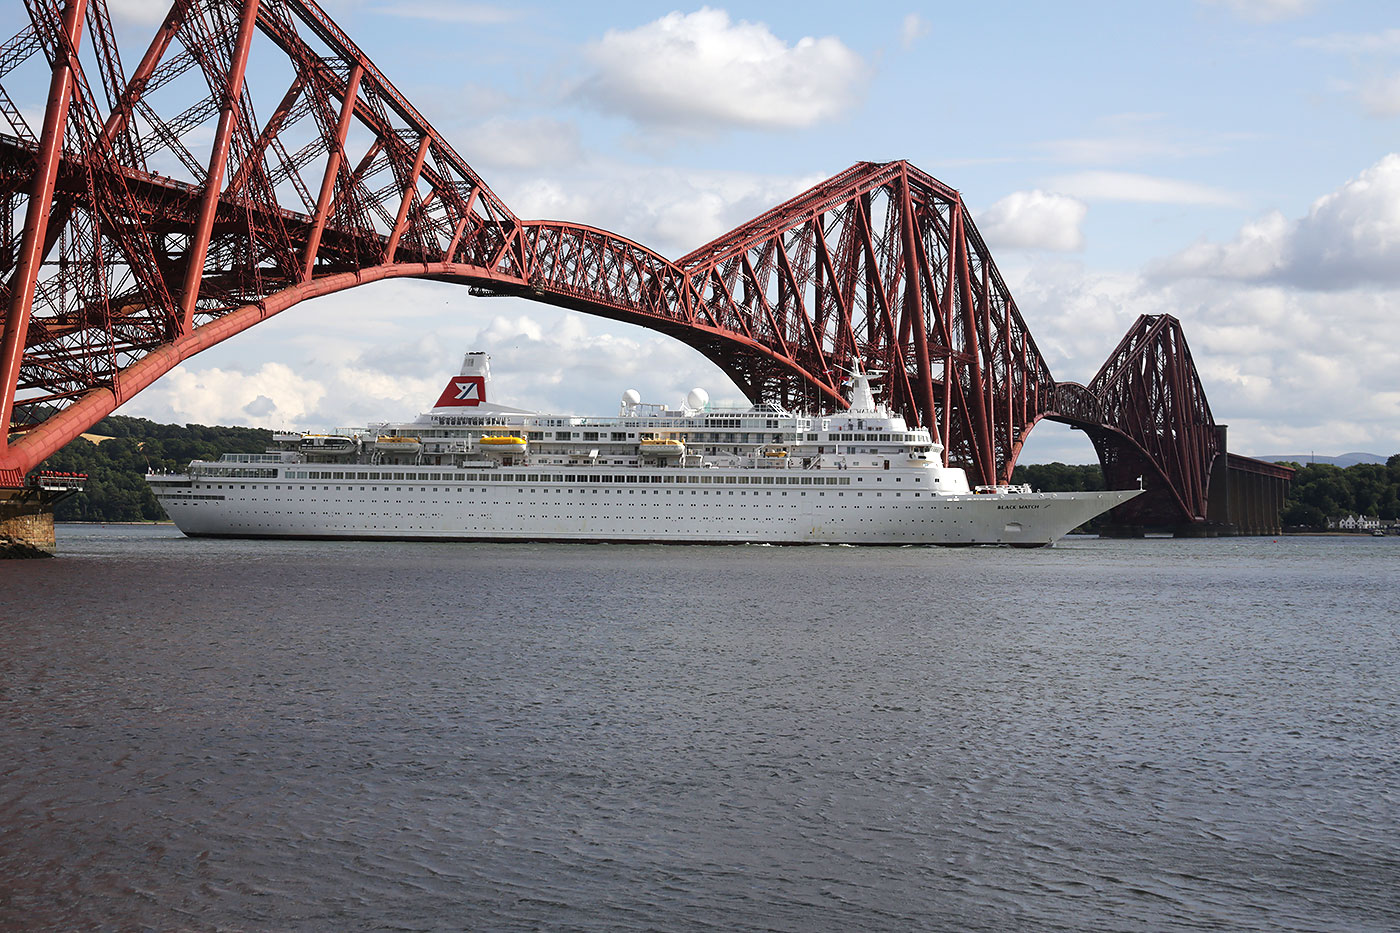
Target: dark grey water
[1144, 735]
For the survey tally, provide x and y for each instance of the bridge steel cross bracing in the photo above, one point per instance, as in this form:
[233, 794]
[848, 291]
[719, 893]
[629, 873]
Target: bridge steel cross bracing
[172, 213]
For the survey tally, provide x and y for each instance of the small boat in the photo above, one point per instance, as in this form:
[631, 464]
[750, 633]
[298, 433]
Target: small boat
[775, 452]
[327, 443]
[392, 443]
[662, 447]
[502, 444]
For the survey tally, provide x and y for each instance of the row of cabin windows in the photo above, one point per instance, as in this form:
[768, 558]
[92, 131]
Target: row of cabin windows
[578, 478]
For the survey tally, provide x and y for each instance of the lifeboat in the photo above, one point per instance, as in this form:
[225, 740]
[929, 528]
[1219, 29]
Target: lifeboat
[502, 444]
[327, 443]
[662, 447]
[392, 443]
[774, 452]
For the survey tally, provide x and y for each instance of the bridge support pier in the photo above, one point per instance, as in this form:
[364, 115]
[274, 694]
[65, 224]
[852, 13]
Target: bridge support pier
[26, 523]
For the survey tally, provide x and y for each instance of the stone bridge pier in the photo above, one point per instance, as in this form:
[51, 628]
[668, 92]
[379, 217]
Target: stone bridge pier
[26, 523]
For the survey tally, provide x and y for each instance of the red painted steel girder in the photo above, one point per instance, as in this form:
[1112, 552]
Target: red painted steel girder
[879, 267]
[122, 260]
[1151, 392]
[126, 247]
[1147, 415]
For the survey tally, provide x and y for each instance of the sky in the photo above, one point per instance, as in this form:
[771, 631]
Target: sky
[1235, 163]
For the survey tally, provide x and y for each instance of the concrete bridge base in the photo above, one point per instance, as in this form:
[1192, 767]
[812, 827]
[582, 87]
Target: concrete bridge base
[26, 523]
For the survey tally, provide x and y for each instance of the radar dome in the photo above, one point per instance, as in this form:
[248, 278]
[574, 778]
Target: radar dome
[631, 397]
[697, 399]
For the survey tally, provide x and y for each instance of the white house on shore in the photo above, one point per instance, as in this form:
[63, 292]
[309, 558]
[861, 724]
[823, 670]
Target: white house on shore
[1354, 523]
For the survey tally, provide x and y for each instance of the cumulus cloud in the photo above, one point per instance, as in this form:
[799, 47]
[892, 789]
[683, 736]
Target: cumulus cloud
[1034, 220]
[702, 68]
[1143, 189]
[669, 210]
[1279, 364]
[272, 394]
[1265, 11]
[1349, 238]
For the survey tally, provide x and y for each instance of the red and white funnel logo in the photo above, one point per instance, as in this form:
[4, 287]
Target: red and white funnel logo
[463, 390]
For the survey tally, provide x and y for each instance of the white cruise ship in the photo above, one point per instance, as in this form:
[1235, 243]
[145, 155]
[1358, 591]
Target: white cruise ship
[473, 470]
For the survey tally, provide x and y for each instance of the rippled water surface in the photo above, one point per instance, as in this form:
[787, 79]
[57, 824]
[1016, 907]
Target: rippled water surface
[1109, 735]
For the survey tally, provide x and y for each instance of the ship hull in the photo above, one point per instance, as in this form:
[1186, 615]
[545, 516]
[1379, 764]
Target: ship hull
[628, 509]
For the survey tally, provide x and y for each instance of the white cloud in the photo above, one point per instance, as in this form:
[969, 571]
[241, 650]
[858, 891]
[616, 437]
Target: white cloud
[1143, 189]
[1265, 11]
[703, 69]
[1350, 237]
[1034, 220]
[273, 394]
[668, 210]
[912, 29]
[1279, 365]
[1257, 253]
[138, 11]
[529, 143]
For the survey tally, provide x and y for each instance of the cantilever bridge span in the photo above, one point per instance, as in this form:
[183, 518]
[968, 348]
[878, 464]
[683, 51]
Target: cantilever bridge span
[253, 158]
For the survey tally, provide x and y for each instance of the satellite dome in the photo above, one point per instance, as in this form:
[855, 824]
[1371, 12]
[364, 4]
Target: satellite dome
[631, 397]
[697, 399]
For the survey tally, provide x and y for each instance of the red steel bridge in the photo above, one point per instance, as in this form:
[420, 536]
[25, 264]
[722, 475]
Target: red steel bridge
[251, 157]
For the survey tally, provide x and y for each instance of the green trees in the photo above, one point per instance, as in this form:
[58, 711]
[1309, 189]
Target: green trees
[1321, 491]
[1057, 477]
[116, 489]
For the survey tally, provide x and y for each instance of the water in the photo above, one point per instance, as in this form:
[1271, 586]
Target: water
[1110, 735]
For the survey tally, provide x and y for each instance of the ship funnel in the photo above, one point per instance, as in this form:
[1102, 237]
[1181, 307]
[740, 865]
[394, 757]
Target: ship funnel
[469, 388]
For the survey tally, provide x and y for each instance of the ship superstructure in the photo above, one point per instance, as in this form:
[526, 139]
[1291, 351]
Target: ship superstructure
[472, 469]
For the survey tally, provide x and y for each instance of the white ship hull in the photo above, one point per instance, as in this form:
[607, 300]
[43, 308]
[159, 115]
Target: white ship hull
[678, 507]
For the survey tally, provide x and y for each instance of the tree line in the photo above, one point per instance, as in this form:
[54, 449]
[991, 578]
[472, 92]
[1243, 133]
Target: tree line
[1320, 491]
[117, 490]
